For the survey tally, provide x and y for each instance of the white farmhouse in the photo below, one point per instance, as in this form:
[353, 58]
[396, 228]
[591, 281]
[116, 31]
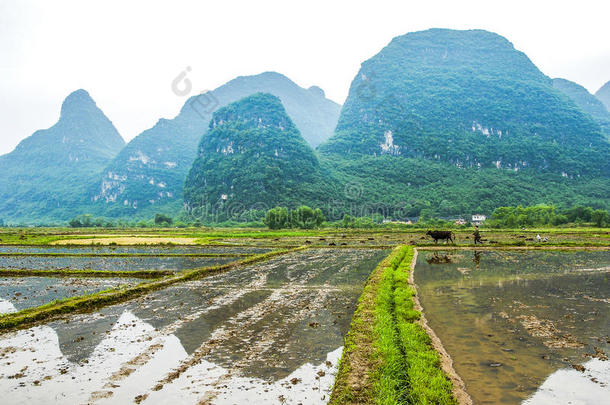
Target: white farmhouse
[477, 219]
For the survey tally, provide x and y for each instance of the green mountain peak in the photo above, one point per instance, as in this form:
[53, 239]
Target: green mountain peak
[253, 156]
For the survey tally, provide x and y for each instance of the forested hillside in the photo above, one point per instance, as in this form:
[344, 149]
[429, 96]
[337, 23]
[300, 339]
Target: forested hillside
[470, 99]
[603, 94]
[460, 121]
[45, 177]
[148, 175]
[439, 122]
[254, 158]
[586, 101]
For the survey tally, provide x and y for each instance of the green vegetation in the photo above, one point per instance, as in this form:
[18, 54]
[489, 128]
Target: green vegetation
[428, 96]
[45, 178]
[303, 217]
[426, 125]
[585, 101]
[409, 187]
[164, 153]
[427, 130]
[88, 221]
[163, 220]
[603, 94]
[252, 157]
[546, 215]
[388, 358]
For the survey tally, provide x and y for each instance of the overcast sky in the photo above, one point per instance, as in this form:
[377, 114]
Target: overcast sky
[127, 53]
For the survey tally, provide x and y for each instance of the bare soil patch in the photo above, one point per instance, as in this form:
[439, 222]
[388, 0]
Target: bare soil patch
[126, 240]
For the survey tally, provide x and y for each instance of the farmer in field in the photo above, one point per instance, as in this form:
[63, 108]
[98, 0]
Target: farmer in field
[477, 235]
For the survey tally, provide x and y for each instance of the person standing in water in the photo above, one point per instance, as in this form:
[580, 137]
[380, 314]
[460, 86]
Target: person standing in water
[477, 235]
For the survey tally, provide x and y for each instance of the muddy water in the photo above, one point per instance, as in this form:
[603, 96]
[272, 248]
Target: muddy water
[268, 333]
[125, 263]
[522, 326]
[149, 250]
[20, 293]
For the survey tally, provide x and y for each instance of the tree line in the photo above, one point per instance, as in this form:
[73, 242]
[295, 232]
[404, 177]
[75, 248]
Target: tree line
[302, 217]
[544, 215]
[305, 217]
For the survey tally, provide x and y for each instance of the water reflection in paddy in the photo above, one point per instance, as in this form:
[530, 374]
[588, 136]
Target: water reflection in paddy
[19, 293]
[516, 323]
[149, 250]
[267, 333]
[125, 263]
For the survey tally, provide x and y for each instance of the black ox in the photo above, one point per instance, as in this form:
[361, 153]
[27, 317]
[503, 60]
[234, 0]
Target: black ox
[446, 235]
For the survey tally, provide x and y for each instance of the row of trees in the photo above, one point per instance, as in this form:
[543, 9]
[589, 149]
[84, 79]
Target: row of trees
[541, 215]
[303, 217]
[89, 221]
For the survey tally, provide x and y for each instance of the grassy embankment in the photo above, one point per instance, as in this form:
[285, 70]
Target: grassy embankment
[388, 358]
[89, 302]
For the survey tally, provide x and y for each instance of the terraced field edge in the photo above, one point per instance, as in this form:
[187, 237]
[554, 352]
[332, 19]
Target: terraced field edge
[88, 302]
[388, 357]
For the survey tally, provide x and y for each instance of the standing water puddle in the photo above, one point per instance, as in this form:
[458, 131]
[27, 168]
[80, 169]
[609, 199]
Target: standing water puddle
[125, 263]
[148, 250]
[267, 333]
[522, 326]
[20, 293]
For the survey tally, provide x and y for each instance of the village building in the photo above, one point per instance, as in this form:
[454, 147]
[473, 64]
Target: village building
[478, 219]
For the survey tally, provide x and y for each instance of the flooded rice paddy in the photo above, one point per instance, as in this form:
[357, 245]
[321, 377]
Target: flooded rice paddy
[27, 292]
[529, 327]
[123, 263]
[148, 250]
[266, 333]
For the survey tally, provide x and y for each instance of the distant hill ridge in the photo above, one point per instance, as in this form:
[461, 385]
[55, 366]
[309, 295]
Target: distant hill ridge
[586, 101]
[46, 175]
[603, 94]
[467, 98]
[150, 171]
[439, 122]
[253, 157]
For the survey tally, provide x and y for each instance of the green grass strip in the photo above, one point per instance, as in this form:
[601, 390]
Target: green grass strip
[426, 381]
[85, 303]
[360, 360]
[388, 357]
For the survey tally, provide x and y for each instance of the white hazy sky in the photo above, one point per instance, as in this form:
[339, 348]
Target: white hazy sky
[126, 53]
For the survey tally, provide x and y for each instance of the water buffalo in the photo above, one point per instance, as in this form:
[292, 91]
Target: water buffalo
[446, 235]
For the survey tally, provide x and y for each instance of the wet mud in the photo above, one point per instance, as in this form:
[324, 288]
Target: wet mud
[267, 333]
[524, 327]
[20, 293]
[86, 262]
